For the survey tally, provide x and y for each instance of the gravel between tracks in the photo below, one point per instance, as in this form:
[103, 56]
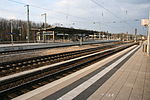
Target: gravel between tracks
[36, 53]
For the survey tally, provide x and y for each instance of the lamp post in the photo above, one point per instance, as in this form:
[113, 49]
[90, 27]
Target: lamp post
[146, 22]
[28, 25]
[148, 39]
[44, 25]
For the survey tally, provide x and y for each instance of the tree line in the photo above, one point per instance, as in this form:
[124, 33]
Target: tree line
[19, 29]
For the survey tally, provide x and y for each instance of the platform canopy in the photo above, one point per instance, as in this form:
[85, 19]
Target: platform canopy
[66, 30]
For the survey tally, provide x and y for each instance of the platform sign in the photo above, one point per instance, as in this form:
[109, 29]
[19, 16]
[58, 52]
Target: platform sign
[10, 33]
[145, 22]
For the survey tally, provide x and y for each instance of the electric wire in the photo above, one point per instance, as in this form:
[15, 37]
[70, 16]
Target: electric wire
[98, 4]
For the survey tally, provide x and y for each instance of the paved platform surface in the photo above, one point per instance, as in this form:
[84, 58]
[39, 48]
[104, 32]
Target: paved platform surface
[130, 82]
[25, 44]
[123, 76]
[28, 46]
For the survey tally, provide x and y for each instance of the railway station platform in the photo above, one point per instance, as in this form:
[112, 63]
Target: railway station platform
[122, 76]
[28, 46]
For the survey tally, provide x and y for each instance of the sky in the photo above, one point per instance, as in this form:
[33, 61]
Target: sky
[114, 16]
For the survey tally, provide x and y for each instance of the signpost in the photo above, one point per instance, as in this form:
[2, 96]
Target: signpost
[146, 22]
[135, 38]
[11, 35]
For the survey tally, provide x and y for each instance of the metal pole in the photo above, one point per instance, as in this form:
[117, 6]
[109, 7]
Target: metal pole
[99, 36]
[20, 32]
[63, 37]
[53, 36]
[99, 32]
[80, 41]
[11, 34]
[107, 35]
[127, 37]
[45, 20]
[135, 38]
[28, 25]
[148, 39]
[44, 25]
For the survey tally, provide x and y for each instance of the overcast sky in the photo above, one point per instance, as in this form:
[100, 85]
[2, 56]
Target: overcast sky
[107, 15]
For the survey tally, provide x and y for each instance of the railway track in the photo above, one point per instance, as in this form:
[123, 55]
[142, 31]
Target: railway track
[8, 68]
[19, 85]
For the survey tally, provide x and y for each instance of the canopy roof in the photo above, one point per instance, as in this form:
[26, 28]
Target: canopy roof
[66, 30]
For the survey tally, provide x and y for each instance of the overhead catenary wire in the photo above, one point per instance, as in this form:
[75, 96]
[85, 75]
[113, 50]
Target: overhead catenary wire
[98, 4]
[35, 6]
[84, 20]
[105, 8]
[48, 10]
[66, 14]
